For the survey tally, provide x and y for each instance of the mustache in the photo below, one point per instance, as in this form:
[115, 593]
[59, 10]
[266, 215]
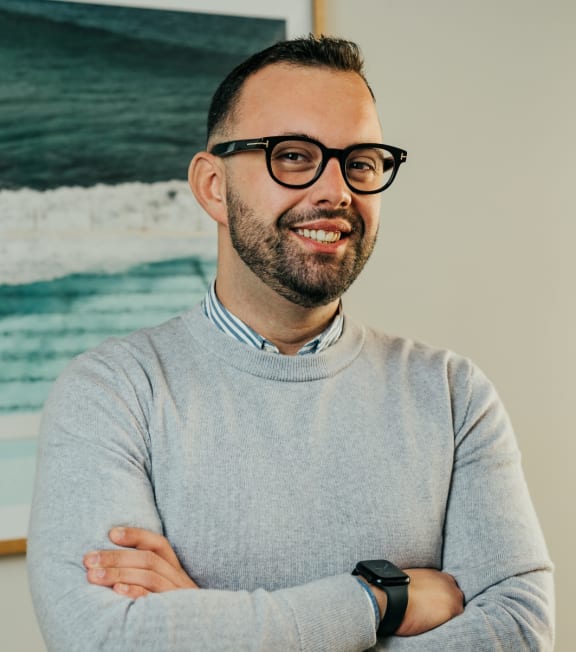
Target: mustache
[291, 217]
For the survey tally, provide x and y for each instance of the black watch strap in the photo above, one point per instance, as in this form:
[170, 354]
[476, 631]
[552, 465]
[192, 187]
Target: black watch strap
[395, 609]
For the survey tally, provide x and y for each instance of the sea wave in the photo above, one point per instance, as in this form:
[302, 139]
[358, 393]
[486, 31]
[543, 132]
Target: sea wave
[52, 233]
[45, 324]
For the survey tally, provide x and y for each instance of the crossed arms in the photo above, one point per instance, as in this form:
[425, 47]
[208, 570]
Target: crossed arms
[147, 564]
[93, 590]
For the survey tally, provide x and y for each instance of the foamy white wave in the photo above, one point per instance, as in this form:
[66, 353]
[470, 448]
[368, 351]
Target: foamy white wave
[49, 234]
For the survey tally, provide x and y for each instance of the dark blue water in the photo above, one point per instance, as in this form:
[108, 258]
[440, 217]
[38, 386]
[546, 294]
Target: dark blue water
[44, 324]
[98, 94]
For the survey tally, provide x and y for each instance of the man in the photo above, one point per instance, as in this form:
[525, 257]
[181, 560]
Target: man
[212, 483]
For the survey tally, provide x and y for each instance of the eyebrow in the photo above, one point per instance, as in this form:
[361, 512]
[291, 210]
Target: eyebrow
[300, 134]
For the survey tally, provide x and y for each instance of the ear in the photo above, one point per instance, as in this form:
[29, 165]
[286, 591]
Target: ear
[208, 183]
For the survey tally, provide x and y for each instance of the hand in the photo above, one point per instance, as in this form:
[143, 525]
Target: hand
[149, 565]
[433, 599]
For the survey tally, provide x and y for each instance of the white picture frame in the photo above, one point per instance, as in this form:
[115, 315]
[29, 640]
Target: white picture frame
[301, 16]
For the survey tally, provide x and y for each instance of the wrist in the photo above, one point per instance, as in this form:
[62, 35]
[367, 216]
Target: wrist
[381, 598]
[371, 599]
[389, 585]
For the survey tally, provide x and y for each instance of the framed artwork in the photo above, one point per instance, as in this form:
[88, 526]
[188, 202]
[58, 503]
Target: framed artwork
[102, 106]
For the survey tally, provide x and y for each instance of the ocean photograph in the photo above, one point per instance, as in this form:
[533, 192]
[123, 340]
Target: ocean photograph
[101, 109]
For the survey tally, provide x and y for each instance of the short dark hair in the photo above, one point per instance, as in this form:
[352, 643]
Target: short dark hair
[312, 51]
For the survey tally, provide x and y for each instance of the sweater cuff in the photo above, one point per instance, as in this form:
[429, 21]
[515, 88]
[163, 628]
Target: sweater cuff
[331, 614]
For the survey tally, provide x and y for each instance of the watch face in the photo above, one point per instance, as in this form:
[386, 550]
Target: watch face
[381, 571]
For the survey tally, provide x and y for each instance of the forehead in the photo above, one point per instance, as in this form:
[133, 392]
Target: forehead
[332, 106]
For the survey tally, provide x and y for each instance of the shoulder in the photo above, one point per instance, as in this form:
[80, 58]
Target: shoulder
[121, 363]
[435, 370]
[409, 353]
[441, 379]
[140, 346]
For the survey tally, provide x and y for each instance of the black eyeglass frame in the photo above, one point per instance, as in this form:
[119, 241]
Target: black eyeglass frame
[268, 144]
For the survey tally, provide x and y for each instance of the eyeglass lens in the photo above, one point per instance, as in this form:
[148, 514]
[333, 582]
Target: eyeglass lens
[296, 163]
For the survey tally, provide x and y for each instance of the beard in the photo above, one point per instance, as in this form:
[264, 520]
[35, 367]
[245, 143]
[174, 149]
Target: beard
[273, 255]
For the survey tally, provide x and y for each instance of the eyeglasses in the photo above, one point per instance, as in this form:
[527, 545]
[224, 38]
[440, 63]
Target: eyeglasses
[298, 161]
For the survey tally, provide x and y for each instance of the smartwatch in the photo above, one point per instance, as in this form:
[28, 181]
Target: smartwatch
[388, 577]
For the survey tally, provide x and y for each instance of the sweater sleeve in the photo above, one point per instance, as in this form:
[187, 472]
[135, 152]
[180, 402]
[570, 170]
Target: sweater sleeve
[93, 473]
[493, 543]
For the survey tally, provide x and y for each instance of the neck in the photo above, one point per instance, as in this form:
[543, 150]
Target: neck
[285, 324]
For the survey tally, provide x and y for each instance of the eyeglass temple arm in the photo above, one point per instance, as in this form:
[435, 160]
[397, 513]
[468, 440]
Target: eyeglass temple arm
[223, 149]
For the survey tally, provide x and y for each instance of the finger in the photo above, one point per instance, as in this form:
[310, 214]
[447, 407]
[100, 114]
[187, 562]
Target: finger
[143, 560]
[130, 591]
[138, 560]
[134, 537]
[147, 580]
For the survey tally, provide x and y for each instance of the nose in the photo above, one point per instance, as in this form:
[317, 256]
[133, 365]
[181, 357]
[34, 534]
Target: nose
[330, 189]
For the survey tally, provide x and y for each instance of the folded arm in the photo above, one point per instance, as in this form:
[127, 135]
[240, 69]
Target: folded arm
[95, 472]
[147, 564]
[493, 543]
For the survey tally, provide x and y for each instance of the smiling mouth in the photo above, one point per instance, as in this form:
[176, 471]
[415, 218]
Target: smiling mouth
[319, 235]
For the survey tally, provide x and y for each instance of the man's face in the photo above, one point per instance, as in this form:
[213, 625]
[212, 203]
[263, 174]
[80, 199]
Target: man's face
[310, 244]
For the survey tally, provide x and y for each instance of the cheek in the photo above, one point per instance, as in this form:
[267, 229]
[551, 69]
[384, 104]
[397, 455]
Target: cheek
[267, 198]
[370, 211]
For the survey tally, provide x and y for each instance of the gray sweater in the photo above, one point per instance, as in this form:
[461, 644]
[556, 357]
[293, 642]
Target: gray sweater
[272, 476]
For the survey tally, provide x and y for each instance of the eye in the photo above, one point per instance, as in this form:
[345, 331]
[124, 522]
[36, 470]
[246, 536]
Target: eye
[291, 156]
[368, 165]
[362, 165]
[296, 156]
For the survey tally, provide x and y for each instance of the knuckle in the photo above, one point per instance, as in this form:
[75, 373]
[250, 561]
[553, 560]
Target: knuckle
[149, 559]
[135, 591]
[163, 543]
[153, 582]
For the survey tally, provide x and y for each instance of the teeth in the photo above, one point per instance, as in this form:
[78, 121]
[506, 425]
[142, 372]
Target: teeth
[319, 235]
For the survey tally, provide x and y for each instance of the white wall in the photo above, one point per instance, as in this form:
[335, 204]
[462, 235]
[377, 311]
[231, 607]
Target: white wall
[477, 235]
[477, 240]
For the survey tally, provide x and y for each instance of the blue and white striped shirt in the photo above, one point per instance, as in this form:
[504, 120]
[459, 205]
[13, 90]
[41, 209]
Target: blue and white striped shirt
[228, 323]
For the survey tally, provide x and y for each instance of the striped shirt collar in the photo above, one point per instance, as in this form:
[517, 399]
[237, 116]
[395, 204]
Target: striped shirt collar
[228, 323]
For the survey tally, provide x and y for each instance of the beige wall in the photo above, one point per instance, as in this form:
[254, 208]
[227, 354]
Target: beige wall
[476, 241]
[18, 629]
